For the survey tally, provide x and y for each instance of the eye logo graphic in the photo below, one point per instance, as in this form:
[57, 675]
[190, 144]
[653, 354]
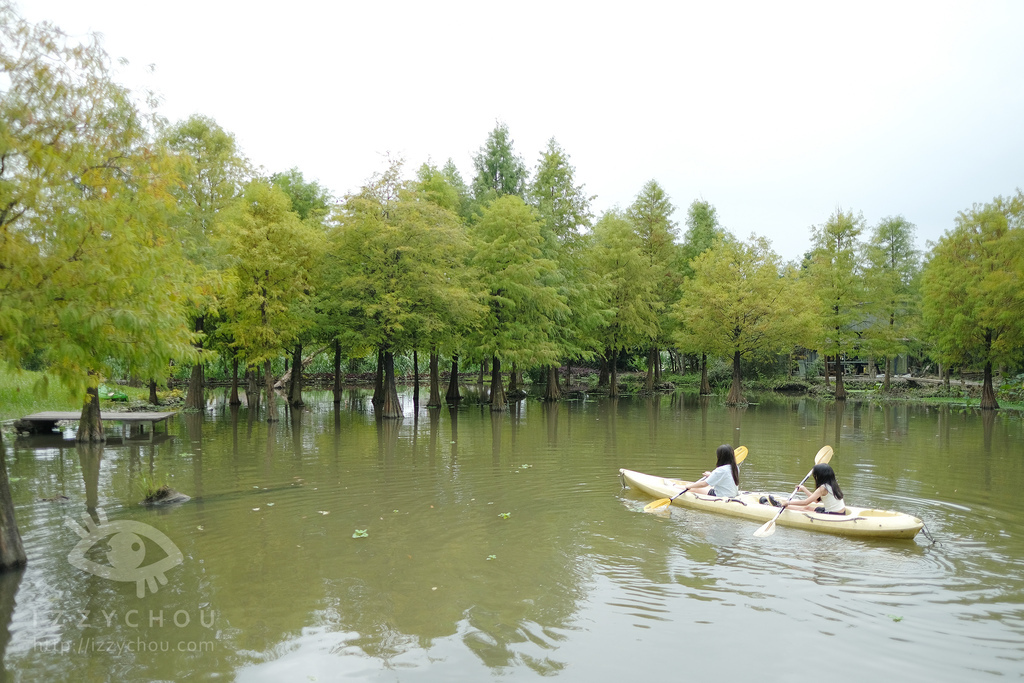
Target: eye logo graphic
[127, 550]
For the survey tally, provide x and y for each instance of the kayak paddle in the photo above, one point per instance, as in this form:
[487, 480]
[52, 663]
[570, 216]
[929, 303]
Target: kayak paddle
[824, 455]
[740, 453]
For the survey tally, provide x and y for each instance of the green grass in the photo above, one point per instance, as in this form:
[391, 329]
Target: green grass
[23, 393]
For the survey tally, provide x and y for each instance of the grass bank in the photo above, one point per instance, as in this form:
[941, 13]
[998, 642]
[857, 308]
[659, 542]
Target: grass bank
[25, 392]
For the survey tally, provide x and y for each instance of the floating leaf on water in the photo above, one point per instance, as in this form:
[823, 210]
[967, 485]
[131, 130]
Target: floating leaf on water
[360, 533]
[255, 509]
[504, 515]
[394, 510]
[492, 557]
[200, 527]
[270, 505]
[895, 618]
[324, 512]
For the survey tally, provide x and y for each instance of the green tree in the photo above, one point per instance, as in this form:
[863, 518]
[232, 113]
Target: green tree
[269, 286]
[438, 188]
[703, 231]
[312, 203]
[651, 216]
[973, 289]
[89, 271]
[564, 208]
[445, 188]
[626, 291]
[87, 265]
[499, 170]
[397, 276]
[891, 279]
[836, 277]
[520, 293]
[211, 173]
[742, 301]
[310, 200]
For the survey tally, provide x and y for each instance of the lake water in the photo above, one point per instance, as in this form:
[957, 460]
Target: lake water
[503, 546]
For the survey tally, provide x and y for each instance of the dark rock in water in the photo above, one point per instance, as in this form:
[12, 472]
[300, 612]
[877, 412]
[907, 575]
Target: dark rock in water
[165, 495]
[34, 427]
[516, 395]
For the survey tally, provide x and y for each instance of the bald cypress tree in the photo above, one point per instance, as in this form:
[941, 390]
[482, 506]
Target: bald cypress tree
[499, 171]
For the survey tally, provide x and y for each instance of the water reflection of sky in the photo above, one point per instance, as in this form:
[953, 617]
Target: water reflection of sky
[575, 582]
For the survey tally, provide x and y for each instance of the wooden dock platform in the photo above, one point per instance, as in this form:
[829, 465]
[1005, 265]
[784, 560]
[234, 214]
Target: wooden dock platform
[47, 421]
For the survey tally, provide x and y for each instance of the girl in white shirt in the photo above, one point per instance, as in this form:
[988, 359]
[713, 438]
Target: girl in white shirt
[724, 480]
[827, 497]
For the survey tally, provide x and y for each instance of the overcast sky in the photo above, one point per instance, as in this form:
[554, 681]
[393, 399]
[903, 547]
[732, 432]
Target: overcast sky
[776, 113]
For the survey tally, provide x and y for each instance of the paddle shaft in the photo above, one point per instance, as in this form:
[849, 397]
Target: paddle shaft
[686, 489]
[783, 508]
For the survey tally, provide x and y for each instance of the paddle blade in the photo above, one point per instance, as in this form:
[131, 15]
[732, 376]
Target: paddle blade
[824, 455]
[741, 454]
[766, 529]
[657, 505]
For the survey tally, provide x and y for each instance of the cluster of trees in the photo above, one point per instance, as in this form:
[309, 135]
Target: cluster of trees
[128, 240]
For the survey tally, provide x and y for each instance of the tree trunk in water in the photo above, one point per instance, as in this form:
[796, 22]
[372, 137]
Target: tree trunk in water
[295, 382]
[453, 395]
[613, 374]
[252, 387]
[602, 373]
[497, 391]
[415, 380]
[390, 408]
[234, 400]
[480, 377]
[551, 390]
[828, 385]
[268, 381]
[513, 381]
[378, 381]
[153, 398]
[735, 393]
[886, 383]
[90, 427]
[568, 374]
[657, 366]
[195, 398]
[649, 383]
[435, 383]
[337, 372]
[840, 387]
[945, 377]
[988, 393]
[705, 385]
[12, 552]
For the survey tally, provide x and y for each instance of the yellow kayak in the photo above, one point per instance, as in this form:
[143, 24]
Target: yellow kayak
[862, 522]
